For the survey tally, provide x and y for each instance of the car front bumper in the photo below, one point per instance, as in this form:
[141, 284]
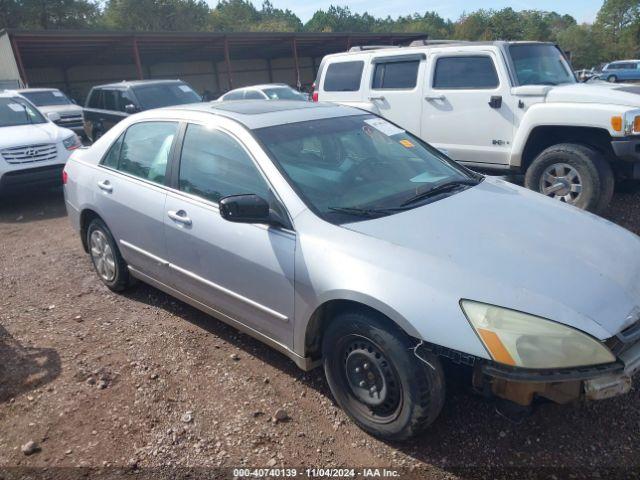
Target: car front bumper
[627, 148]
[44, 176]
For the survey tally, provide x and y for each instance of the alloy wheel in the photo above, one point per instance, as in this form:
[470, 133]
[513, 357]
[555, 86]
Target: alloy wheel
[102, 256]
[562, 182]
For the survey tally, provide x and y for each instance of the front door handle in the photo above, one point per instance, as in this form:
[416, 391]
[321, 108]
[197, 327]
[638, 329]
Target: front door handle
[430, 98]
[180, 216]
[105, 186]
[379, 99]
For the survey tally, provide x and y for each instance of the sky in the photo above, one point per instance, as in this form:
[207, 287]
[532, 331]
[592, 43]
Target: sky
[581, 10]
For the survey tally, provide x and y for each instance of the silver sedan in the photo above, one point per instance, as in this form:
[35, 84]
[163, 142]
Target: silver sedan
[343, 240]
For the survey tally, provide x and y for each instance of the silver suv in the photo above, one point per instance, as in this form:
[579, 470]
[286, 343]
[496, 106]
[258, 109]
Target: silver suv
[340, 239]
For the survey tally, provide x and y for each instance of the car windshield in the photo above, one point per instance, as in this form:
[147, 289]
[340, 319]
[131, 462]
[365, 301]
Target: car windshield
[44, 99]
[538, 64]
[16, 111]
[358, 165]
[283, 93]
[165, 95]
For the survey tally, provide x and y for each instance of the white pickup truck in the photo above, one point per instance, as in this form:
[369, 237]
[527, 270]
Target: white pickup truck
[509, 106]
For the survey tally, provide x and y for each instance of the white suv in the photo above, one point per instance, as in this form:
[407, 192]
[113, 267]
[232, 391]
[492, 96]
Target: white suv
[33, 149]
[509, 106]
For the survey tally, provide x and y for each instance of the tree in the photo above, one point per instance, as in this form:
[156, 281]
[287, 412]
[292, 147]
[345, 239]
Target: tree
[584, 43]
[619, 22]
[340, 19]
[156, 15]
[473, 26]
[48, 14]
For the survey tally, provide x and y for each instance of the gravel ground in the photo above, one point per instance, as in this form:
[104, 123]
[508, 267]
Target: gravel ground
[142, 381]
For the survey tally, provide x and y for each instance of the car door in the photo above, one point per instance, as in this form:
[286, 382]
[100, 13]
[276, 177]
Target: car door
[243, 271]
[130, 194]
[395, 88]
[111, 113]
[467, 107]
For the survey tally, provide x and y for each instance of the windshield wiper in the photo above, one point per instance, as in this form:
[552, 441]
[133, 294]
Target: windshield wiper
[366, 212]
[438, 189]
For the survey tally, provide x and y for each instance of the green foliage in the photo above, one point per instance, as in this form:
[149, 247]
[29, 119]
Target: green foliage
[155, 15]
[242, 16]
[619, 23]
[47, 14]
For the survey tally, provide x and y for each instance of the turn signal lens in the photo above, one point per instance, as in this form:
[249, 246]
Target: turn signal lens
[65, 177]
[636, 124]
[616, 123]
[314, 97]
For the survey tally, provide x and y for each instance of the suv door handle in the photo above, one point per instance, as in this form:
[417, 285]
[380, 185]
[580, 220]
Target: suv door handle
[430, 98]
[180, 216]
[105, 186]
[373, 99]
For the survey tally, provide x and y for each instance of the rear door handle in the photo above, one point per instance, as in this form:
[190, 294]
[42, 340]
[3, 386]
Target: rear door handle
[105, 186]
[180, 216]
[430, 98]
[373, 99]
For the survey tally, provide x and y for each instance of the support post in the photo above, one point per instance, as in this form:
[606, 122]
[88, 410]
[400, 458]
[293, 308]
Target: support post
[65, 77]
[136, 57]
[227, 61]
[348, 43]
[21, 70]
[216, 75]
[294, 46]
[269, 70]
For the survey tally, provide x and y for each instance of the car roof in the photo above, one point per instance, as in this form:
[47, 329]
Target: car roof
[35, 90]
[137, 83]
[255, 114]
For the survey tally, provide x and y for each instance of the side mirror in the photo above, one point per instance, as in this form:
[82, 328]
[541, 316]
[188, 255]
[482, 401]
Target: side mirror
[53, 116]
[130, 108]
[245, 209]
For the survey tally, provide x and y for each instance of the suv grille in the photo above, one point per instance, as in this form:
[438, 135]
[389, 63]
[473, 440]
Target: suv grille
[70, 120]
[30, 154]
[625, 339]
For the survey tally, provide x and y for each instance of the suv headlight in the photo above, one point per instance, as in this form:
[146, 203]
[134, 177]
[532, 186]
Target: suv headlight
[72, 142]
[522, 340]
[632, 122]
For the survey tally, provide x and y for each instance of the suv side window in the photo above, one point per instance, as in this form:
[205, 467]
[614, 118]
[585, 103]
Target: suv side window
[109, 100]
[145, 150]
[214, 165]
[473, 72]
[343, 77]
[96, 99]
[395, 75]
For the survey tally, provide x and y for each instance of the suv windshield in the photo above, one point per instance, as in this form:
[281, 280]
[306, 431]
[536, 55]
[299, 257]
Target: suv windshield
[165, 95]
[44, 99]
[360, 165]
[283, 93]
[16, 111]
[539, 64]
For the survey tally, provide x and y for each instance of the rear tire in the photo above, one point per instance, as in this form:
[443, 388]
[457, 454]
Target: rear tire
[106, 258]
[376, 378]
[612, 79]
[575, 174]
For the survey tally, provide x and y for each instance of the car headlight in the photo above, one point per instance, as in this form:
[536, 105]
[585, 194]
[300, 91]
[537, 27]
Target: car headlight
[632, 122]
[72, 142]
[522, 340]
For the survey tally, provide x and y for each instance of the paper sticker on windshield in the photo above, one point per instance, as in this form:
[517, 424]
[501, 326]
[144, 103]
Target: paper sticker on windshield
[406, 143]
[184, 88]
[57, 94]
[383, 126]
[16, 107]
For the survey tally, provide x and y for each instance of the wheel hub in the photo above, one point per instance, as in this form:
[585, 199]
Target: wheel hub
[102, 256]
[562, 182]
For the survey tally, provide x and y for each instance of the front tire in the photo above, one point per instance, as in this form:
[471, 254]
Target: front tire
[376, 378]
[572, 173]
[612, 79]
[106, 258]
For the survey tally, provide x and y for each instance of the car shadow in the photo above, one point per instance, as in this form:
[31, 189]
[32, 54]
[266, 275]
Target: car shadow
[23, 369]
[471, 435]
[32, 205]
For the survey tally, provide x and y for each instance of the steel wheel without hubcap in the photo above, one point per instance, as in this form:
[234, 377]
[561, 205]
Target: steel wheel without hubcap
[372, 380]
[102, 256]
[562, 182]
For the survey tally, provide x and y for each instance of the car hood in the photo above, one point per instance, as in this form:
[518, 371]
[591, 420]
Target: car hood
[62, 109]
[613, 94]
[502, 244]
[32, 134]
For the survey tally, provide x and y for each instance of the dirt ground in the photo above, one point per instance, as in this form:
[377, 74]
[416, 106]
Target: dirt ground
[143, 382]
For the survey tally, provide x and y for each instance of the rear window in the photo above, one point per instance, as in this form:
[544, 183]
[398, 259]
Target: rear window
[343, 77]
[43, 99]
[165, 95]
[395, 75]
[477, 72]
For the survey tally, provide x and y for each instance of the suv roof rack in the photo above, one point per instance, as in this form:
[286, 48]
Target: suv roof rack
[423, 43]
[362, 48]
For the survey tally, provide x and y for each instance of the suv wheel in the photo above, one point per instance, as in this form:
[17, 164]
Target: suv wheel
[376, 378]
[106, 258]
[612, 79]
[575, 174]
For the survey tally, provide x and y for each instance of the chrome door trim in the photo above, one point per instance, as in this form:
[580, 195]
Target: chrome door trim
[206, 282]
[305, 363]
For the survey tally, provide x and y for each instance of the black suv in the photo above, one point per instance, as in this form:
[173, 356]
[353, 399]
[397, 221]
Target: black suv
[106, 105]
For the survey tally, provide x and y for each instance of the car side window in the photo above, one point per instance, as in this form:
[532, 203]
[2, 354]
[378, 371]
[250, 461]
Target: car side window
[343, 77]
[96, 99]
[473, 72]
[395, 75]
[213, 165]
[253, 95]
[145, 150]
[234, 95]
[112, 157]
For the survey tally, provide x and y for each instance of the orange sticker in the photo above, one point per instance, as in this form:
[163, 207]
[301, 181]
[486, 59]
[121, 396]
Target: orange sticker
[406, 143]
